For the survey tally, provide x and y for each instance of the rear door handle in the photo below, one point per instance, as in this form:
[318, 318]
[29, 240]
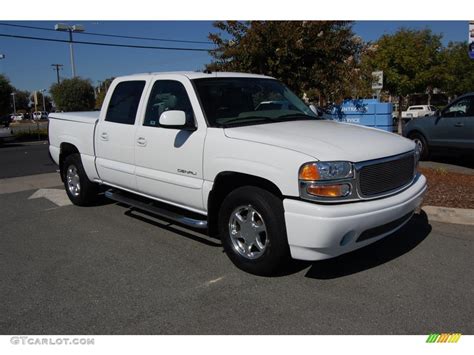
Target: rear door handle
[459, 124]
[141, 141]
[104, 136]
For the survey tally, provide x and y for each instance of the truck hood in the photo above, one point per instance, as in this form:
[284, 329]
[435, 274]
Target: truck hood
[325, 140]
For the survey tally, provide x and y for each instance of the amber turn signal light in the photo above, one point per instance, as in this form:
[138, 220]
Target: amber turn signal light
[309, 172]
[339, 190]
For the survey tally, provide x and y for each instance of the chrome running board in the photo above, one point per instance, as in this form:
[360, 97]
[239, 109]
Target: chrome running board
[158, 211]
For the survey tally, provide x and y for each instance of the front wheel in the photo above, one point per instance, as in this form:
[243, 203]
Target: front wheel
[253, 232]
[420, 141]
[79, 189]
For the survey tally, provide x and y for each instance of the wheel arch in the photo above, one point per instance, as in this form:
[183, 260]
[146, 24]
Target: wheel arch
[226, 182]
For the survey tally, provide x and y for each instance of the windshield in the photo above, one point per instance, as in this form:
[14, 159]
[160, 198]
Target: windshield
[230, 102]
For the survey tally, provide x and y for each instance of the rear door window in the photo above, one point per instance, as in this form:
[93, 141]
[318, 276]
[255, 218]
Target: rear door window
[123, 105]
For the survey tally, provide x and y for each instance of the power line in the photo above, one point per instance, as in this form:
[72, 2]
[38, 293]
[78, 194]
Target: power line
[110, 35]
[104, 44]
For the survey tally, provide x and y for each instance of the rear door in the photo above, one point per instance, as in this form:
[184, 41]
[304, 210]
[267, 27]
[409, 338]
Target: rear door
[169, 160]
[115, 134]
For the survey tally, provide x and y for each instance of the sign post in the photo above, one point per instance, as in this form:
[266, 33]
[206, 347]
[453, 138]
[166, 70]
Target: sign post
[377, 83]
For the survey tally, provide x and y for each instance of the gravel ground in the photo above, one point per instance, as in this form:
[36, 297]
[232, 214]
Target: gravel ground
[448, 189]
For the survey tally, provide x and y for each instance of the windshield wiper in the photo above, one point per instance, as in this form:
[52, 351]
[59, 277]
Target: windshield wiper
[244, 119]
[297, 115]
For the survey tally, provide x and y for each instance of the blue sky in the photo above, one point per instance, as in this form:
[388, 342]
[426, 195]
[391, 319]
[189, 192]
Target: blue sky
[28, 62]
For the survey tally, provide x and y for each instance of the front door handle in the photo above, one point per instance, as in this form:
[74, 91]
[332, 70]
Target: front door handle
[104, 136]
[459, 124]
[141, 141]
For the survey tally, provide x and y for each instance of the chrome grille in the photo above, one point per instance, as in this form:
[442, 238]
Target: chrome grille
[386, 176]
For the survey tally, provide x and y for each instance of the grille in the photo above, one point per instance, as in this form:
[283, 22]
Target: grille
[379, 178]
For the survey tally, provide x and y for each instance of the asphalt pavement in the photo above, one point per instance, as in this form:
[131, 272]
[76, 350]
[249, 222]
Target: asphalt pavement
[20, 159]
[107, 269]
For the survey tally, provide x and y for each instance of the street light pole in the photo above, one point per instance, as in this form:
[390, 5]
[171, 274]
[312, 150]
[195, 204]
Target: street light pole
[42, 94]
[14, 105]
[70, 29]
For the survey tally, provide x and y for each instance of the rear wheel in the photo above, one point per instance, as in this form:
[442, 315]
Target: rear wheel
[253, 232]
[80, 190]
[420, 141]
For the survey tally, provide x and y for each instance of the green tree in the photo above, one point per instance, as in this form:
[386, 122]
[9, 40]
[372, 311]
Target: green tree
[22, 100]
[410, 60]
[102, 91]
[310, 57]
[74, 94]
[458, 69]
[5, 95]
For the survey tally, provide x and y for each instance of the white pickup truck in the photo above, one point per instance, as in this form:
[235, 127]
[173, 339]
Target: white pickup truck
[419, 111]
[200, 150]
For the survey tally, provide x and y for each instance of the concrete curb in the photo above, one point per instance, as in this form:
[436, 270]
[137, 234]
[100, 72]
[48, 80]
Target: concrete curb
[450, 215]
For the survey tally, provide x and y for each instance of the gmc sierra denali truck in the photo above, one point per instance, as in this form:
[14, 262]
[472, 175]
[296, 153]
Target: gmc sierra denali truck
[207, 150]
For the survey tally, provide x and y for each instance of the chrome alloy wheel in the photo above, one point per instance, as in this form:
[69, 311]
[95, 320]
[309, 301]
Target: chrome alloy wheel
[248, 232]
[73, 181]
[419, 144]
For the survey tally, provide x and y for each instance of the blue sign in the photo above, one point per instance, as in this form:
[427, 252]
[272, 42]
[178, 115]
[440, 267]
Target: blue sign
[365, 112]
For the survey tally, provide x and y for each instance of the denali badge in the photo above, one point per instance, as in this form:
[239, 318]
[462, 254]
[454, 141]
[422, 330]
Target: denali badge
[182, 171]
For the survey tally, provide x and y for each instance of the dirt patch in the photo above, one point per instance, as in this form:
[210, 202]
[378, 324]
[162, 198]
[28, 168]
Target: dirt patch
[448, 189]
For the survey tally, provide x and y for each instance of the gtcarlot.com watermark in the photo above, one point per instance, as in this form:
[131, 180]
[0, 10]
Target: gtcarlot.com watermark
[31, 340]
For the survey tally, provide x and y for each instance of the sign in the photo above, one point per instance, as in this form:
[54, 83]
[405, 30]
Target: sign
[471, 39]
[377, 83]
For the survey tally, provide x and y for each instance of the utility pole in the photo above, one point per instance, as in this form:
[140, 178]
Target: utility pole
[70, 29]
[14, 105]
[57, 67]
[44, 102]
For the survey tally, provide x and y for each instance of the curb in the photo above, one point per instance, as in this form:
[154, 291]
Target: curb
[450, 215]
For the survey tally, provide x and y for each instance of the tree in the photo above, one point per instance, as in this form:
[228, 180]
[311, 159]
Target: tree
[410, 61]
[5, 95]
[310, 57]
[458, 69]
[102, 91]
[22, 100]
[74, 94]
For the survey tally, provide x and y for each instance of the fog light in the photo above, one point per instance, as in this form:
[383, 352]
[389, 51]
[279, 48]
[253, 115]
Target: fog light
[336, 190]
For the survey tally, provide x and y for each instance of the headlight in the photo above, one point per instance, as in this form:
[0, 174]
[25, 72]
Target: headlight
[331, 170]
[326, 180]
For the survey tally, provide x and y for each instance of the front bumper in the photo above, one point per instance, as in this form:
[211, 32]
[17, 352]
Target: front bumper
[317, 231]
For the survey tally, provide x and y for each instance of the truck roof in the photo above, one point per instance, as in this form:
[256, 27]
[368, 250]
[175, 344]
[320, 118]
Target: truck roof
[199, 75]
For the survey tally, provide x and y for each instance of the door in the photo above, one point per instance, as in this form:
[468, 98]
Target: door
[454, 127]
[169, 160]
[115, 135]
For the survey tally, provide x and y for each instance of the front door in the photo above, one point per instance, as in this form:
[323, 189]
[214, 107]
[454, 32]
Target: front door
[168, 160]
[454, 126]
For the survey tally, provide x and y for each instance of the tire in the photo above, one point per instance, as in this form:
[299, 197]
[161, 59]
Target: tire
[80, 190]
[420, 140]
[262, 223]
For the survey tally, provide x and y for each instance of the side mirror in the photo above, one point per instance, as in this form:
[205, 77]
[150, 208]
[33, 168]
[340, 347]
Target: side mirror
[174, 119]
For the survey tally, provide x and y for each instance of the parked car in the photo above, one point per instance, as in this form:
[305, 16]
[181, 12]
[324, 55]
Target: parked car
[271, 183]
[418, 111]
[37, 115]
[17, 117]
[451, 129]
[5, 120]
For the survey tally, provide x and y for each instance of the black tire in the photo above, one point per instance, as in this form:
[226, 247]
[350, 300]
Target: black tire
[88, 192]
[270, 208]
[420, 139]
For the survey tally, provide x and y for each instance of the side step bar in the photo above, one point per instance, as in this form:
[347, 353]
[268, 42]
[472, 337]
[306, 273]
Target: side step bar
[151, 208]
